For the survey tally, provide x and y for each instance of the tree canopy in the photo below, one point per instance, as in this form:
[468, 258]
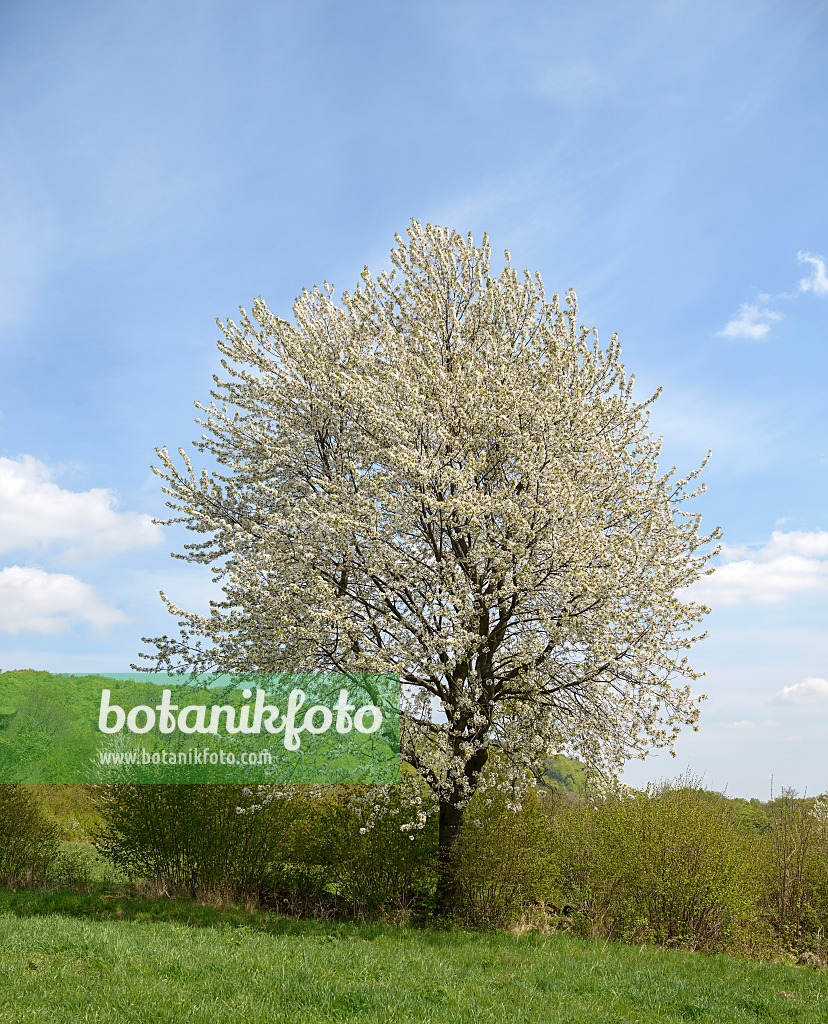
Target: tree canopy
[444, 476]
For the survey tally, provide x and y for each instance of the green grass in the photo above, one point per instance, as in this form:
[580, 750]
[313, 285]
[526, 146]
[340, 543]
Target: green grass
[114, 958]
[89, 865]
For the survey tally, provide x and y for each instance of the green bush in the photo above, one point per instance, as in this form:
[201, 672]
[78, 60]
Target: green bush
[28, 840]
[797, 872]
[383, 868]
[189, 837]
[666, 865]
[70, 807]
[303, 857]
[336, 860]
[300, 852]
[500, 860]
[673, 865]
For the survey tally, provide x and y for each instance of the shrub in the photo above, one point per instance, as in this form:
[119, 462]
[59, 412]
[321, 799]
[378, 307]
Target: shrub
[797, 879]
[501, 858]
[70, 807]
[188, 837]
[304, 860]
[333, 860]
[28, 840]
[383, 868]
[300, 852]
[665, 865]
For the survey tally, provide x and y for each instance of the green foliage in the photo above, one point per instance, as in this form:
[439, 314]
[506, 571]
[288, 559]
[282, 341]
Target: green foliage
[566, 774]
[187, 837]
[49, 733]
[331, 858]
[751, 815]
[71, 808]
[501, 858]
[666, 865]
[300, 852]
[28, 840]
[675, 864]
[797, 872]
[50, 723]
[382, 867]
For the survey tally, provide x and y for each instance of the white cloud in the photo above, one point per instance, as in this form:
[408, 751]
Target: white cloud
[809, 691]
[741, 725]
[35, 512]
[754, 321]
[47, 602]
[790, 564]
[818, 281]
[792, 739]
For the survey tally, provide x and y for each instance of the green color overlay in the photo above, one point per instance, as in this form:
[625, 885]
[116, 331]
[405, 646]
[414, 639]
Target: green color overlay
[138, 727]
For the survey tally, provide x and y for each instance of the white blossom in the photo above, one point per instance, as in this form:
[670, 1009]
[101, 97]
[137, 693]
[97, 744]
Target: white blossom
[444, 476]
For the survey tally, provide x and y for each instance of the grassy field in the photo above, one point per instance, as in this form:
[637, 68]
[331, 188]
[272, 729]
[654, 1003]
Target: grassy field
[88, 946]
[113, 958]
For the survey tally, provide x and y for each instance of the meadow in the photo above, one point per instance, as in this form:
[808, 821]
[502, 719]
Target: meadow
[96, 958]
[160, 903]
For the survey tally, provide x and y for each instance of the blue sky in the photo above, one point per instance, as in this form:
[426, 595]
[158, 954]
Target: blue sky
[163, 163]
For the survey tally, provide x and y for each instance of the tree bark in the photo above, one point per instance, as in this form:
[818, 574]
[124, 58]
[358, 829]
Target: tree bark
[450, 826]
[451, 821]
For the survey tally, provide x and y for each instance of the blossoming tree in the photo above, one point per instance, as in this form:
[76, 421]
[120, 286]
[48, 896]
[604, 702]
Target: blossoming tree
[443, 476]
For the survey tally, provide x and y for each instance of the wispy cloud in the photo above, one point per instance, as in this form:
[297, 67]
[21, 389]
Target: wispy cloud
[818, 280]
[788, 565]
[35, 513]
[809, 691]
[753, 321]
[45, 602]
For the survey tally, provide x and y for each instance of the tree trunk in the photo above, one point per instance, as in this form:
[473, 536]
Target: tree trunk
[451, 820]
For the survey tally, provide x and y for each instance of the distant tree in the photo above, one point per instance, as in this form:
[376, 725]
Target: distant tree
[446, 478]
[564, 773]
